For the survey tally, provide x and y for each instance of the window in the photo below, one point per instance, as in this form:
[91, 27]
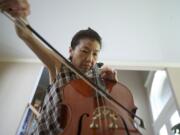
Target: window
[162, 103]
[160, 93]
[163, 131]
[175, 119]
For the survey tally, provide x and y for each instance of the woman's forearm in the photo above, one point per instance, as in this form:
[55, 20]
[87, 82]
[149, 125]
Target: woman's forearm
[42, 52]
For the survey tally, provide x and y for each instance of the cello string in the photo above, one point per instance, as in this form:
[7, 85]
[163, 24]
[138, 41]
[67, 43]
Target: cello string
[99, 111]
[96, 74]
[102, 85]
[97, 98]
[104, 110]
[20, 21]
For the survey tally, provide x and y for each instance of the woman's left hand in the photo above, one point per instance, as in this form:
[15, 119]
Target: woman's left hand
[108, 73]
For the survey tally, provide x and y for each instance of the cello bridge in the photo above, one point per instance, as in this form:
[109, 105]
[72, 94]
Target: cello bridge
[104, 116]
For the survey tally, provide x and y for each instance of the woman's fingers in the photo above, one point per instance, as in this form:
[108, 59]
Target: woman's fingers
[108, 73]
[15, 8]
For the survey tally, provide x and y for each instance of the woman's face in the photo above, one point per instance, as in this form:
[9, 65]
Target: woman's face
[85, 54]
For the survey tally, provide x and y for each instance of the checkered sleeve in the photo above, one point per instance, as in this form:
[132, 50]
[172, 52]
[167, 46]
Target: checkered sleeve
[49, 122]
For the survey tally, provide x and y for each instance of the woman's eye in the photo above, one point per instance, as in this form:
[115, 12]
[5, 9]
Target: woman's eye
[84, 51]
[95, 54]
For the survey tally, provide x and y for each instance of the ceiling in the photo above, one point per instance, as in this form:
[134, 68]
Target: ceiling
[132, 31]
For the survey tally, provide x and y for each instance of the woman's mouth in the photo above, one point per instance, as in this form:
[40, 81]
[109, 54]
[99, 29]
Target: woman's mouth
[87, 66]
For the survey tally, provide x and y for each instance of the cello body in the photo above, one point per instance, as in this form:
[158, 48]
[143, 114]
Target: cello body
[83, 115]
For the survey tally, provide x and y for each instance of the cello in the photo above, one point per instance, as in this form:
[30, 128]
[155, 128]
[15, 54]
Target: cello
[88, 113]
[104, 110]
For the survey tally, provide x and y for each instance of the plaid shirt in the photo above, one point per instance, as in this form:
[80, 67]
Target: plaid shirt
[49, 120]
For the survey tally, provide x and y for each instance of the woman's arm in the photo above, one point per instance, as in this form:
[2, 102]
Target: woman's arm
[48, 57]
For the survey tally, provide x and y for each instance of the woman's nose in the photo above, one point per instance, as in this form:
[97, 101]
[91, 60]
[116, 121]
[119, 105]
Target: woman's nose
[90, 57]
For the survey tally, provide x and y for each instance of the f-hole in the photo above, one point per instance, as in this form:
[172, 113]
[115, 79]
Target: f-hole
[81, 122]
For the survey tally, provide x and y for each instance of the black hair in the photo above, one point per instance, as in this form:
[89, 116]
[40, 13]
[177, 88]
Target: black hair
[82, 34]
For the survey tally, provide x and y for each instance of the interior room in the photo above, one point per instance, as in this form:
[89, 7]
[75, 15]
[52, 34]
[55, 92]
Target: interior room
[140, 41]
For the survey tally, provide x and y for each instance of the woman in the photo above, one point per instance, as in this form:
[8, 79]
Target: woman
[84, 51]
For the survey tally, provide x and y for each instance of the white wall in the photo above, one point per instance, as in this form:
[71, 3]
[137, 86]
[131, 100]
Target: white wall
[17, 82]
[132, 30]
[174, 75]
[133, 80]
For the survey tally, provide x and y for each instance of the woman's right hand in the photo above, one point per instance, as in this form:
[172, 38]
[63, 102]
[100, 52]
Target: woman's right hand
[16, 8]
